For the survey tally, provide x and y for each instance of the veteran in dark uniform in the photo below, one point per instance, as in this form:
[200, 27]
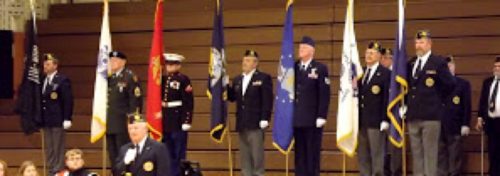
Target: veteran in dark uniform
[454, 124]
[177, 109]
[312, 98]
[489, 117]
[57, 109]
[430, 83]
[124, 98]
[253, 93]
[373, 100]
[142, 156]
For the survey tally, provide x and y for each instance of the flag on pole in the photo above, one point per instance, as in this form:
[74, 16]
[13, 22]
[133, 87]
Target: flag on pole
[99, 103]
[217, 78]
[285, 90]
[399, 85]
[156, 62]
[351, 71]
[29, 101]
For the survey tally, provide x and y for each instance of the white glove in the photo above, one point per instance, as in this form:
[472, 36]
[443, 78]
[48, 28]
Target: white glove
[264, 124]
[129, 156]
[384, 126]
[67, 124]
[465, 131]
[320, 122]
[402, 111]
[186, 127]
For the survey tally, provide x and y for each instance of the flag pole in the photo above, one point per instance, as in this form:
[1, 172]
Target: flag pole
[343, 164]
[229, 149]
[104, 153]
[43, 153]
[482, 153]
[286, 162]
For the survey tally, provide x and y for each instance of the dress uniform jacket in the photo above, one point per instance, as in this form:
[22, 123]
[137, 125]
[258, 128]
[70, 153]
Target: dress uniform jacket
[490, 126]
[57, 101]
[312, 94]
[256, 104]
[458, 108]
[428, 91]
[373, 98]
[177, 101]
[153, 160]
[124, 98]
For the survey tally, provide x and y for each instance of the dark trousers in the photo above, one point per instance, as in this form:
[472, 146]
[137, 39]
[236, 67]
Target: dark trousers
[176, 142]
[307, 150]
[54, 148]
[450, 154]
[393, 160]
[114, 142]
[494, 146]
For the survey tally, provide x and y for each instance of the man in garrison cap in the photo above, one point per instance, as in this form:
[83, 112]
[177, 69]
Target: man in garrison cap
[430, 83]
[142, 156]
[124, 98]
[454, 125]
[253, 93]
[489, 117]
[57, 109]
[177, 108]
[312, 98]
[373, 121]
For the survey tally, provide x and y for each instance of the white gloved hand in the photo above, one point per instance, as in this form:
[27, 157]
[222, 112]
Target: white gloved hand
[129, 156]
[320, 122]
[402, 111]
[263, 124]
[186, 127]
[465, 131]
[67, 124]
[384, 126]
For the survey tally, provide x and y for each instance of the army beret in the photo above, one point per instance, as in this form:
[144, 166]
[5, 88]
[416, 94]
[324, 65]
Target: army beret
[117, 54]
[173, 58]
[423, 34]
[387, 51]
[450, 59]
[308, 41]
[136, 118]
[251, 53]
[375, 46]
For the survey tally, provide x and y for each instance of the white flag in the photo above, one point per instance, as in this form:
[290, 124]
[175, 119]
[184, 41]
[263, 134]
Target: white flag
[99, 105]
[351, 71]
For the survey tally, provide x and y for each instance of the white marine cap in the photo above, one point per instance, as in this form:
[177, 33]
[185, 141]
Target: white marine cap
[173, 57]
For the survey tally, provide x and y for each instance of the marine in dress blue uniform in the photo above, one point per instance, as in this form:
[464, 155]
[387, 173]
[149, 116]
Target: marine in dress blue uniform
[177, 109]
[312, 98]
[57, 109]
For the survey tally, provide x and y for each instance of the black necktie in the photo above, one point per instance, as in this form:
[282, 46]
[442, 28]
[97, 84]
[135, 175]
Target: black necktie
[367, 76]
[417, 70]
[493, 98]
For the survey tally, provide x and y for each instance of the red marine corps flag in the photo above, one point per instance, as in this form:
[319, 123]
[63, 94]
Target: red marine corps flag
[153, 104]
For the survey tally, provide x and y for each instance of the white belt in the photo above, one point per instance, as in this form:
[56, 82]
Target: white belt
[171, 104]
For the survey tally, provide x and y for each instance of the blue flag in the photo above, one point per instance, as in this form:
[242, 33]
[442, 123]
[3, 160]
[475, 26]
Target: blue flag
[217, 78]
[399, 85]
[285, 91]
